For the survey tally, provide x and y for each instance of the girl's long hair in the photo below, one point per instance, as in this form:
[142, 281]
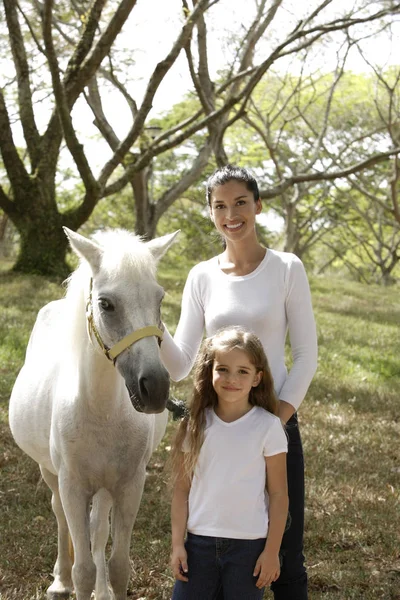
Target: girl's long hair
[191, 429]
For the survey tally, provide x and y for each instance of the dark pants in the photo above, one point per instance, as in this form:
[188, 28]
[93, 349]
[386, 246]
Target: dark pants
[292, 583]
[220, 568]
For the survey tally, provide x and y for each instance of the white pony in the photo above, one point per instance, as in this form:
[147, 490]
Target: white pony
[92, 423]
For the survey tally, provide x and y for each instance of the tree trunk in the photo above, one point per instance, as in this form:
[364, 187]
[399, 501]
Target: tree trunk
[43, 245]
[4, 221]
[144, 209]
[291, 235]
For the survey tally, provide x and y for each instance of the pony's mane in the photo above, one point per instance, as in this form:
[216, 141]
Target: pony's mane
[123, 252]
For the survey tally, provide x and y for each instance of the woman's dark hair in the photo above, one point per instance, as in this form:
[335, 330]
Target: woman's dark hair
[231, 173]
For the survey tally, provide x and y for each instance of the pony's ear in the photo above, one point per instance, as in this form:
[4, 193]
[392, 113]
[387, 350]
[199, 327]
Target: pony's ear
[159, 246]
[85, 248]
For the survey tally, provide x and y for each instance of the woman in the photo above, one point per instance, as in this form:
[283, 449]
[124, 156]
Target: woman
[266, 292]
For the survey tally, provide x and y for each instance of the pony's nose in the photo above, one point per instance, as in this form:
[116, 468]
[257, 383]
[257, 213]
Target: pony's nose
[144, 385]
[154, 392]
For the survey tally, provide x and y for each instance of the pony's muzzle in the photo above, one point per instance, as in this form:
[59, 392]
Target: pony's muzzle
[150, 392]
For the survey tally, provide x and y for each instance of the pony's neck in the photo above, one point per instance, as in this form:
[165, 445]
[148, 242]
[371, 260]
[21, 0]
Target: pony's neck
[99, 386]
[99, 382]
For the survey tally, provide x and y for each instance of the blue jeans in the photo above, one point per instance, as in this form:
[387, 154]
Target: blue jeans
[220, 568]
[292, 583]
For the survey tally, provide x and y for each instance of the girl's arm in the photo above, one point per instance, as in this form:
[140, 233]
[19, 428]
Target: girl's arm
[179, 517]
[267, 566]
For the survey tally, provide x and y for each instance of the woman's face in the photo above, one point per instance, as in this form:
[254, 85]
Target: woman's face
[233, 210]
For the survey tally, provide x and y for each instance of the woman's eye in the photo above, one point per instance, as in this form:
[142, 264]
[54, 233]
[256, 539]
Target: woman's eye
[105, 305]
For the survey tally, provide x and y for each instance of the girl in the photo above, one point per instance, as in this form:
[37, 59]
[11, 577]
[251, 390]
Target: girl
[228, 451]
[266, 292]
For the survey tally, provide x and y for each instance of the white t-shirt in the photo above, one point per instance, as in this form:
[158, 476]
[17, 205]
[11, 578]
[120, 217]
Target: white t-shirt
[227, 496]
[271, 300]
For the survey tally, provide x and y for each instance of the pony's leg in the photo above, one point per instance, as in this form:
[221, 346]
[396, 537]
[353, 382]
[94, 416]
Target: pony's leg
[99, 533]
[76, 503]
[125, 509]
[62, 584]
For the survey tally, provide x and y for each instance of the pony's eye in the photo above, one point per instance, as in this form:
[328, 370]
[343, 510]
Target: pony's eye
[105, 305]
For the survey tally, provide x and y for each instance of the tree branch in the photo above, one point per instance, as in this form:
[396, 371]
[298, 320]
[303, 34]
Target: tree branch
[308, 37]
[79, 79]
[93, 99]
[15, 168]
[201, 80]
[112, 78]
[186, 180]
[86, 41]
[394, 184]
[63, 109]
[30, 130]
[308, 177]
[157, 76]
[6, 204]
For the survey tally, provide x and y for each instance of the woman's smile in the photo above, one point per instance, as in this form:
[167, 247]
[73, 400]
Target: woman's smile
[234, 227]
[234, 210]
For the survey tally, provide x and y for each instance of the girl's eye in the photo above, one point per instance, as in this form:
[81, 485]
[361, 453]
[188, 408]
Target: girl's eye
[105, 305]
[219, 206]
[243, 372]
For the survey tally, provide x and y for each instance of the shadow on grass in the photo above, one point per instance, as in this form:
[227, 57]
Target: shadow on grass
[381, 401]
[380, 315]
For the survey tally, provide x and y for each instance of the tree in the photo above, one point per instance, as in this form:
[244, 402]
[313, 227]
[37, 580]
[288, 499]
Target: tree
[367, 236]
[301, 133]
[32, 204]
[74, 62]
[365, 240]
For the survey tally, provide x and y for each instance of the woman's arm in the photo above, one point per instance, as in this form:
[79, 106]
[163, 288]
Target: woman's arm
[303, 339]
[179, 517]
[267, 566]
[286, 411]
[178, 353]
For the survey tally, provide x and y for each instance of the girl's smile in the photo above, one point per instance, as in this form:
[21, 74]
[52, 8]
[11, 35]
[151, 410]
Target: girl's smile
[233, 377]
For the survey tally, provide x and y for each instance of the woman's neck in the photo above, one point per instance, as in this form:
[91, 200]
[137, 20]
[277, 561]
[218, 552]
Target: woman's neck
[243, 260]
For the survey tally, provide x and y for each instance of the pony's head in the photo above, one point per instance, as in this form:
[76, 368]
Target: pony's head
[125, 298]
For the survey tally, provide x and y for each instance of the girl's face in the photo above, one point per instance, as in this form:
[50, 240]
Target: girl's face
[233, 210]
[233, 376]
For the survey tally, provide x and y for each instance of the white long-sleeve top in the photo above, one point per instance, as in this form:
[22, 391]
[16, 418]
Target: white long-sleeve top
[273, 299]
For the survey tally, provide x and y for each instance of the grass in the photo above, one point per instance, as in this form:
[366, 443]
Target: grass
[350, 428]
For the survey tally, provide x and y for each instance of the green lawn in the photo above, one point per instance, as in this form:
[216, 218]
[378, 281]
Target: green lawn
[351, 434]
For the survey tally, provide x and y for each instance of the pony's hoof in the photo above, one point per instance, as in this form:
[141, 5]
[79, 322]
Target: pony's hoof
[58, 594]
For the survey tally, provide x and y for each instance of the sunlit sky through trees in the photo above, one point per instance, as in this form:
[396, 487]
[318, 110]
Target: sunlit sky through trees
[154, 25]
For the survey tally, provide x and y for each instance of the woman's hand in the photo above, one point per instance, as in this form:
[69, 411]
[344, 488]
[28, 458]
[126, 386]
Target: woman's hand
[179, 563]
[267, 568]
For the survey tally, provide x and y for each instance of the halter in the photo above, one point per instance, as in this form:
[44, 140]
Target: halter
[126, 342]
